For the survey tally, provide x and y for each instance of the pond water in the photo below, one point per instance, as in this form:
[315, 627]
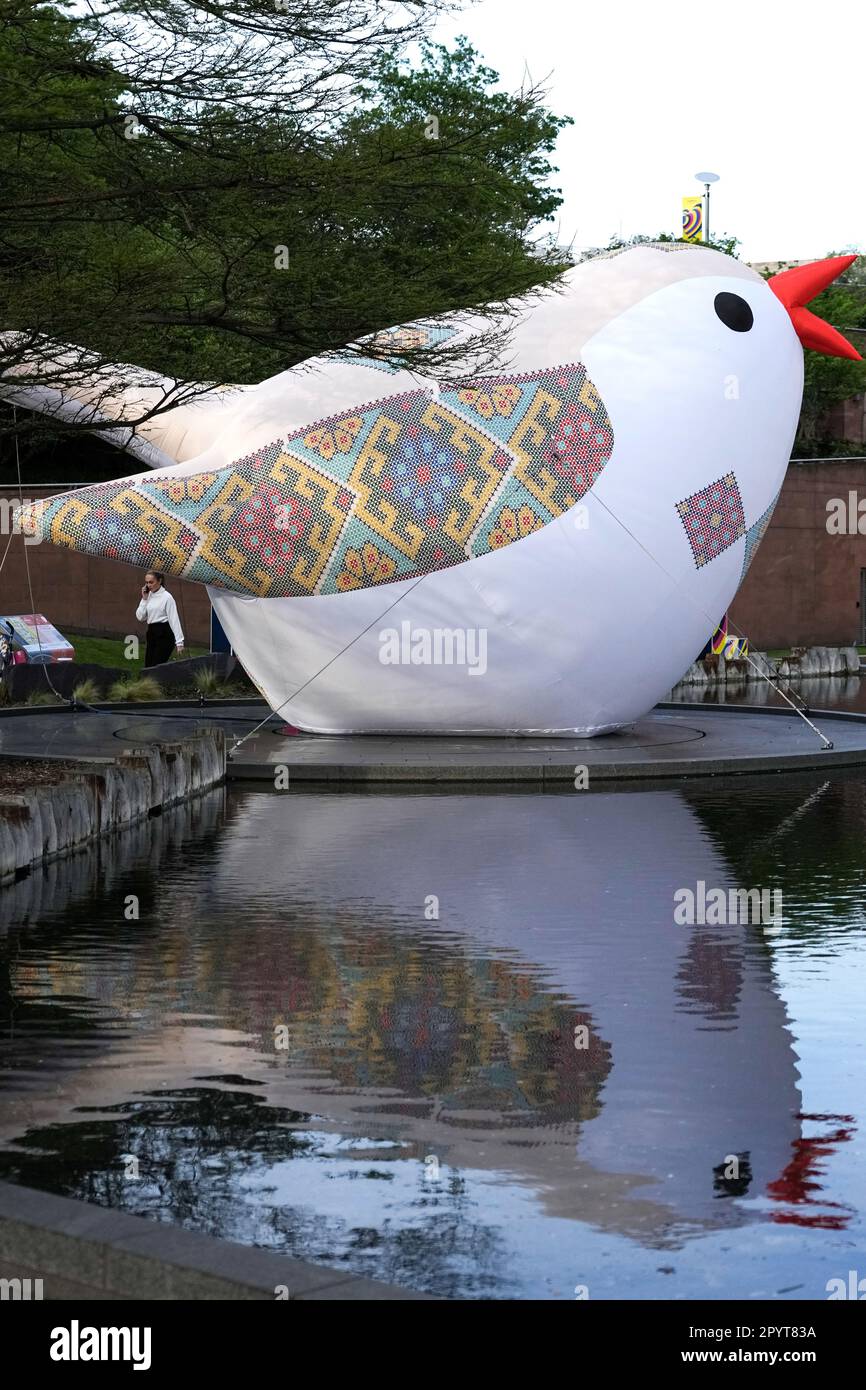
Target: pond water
[818, 692]
[458, 1041]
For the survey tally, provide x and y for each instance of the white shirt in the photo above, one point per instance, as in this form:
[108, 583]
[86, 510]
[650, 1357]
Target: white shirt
[161, 608]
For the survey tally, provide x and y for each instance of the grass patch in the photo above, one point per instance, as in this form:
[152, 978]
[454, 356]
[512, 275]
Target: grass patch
[87, 691]
[42, 697]
[111, 651]
[208, 683]
[139, 688]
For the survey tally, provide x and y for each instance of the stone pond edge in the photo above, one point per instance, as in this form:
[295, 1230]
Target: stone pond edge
[102, 795]
[83, 1251]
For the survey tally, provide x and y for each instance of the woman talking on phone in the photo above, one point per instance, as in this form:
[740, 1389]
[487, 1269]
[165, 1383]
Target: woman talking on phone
[159, 610]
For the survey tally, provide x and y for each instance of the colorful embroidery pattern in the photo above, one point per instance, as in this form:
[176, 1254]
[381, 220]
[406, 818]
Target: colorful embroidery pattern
[396, 489]
[364, 567]
[390, 341]
[499, 400]
[756, 533]
[713, 519]
[185, 489]
[511, 526]
[327, 443]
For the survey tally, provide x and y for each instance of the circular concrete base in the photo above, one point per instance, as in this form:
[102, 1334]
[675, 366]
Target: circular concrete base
[673, 741]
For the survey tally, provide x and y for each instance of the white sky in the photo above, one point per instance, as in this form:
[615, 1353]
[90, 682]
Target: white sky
[767, 94]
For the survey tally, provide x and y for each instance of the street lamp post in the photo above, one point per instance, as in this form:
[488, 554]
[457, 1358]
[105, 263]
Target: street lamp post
[706, 179]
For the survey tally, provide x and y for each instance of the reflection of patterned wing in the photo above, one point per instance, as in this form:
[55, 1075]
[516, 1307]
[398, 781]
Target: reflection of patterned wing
[405, 486]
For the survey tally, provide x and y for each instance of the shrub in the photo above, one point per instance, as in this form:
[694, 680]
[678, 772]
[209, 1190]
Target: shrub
[87, 691]
[207, 682]
[137, 689]
[42, 697]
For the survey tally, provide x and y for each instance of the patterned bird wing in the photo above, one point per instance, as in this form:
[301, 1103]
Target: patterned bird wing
[409, 484]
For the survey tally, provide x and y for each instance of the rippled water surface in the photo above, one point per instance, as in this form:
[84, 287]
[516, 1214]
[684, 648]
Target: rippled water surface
[458, 1041]
[816, 692]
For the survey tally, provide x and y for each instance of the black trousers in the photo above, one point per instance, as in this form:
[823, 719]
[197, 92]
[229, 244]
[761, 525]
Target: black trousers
[160, 644]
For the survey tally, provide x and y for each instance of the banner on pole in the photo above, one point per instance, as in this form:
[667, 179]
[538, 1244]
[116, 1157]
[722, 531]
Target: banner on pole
[693, 218]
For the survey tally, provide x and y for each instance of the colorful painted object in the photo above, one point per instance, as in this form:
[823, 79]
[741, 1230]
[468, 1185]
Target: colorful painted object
[723, 643]
[716, 644]
[404, 486]
[391, 553]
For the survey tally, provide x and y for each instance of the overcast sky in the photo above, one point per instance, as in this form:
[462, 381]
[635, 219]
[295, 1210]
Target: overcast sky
[767, 94]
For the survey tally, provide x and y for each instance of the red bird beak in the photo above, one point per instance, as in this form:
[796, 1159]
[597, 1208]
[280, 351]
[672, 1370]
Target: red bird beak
[797, 287]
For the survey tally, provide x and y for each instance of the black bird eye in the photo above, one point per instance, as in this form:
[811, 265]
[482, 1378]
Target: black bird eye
[734, 312]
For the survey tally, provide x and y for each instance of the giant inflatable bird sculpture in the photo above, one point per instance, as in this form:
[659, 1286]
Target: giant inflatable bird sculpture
[388, 553]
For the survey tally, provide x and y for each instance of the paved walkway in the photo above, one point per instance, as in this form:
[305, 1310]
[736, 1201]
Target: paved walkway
[673, 741]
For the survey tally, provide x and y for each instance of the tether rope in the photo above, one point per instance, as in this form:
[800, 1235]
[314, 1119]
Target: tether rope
[42, 662]
[6, 551]
[330, 662]
[827, 743]
[72, 701]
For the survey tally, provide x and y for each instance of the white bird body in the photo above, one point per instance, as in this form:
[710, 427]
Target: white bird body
[605, 593]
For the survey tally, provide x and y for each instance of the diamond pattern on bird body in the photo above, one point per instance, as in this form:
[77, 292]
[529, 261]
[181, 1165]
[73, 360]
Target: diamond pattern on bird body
[713, 518]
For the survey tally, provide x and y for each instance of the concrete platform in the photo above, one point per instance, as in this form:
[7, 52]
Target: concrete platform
[673, 741]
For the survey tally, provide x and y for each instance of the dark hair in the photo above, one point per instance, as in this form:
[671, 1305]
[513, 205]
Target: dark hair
[157, 574]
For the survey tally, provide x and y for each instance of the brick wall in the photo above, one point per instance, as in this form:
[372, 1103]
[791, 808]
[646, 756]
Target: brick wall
[804, 585]
[80, 593]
